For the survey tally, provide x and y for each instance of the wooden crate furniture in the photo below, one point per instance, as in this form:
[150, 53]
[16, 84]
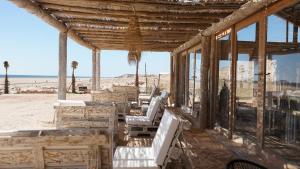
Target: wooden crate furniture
[83, 114]
[145, 125]
[118, 98]
[145, 99]
[164, 101]
[158, 155]
[63, 149]
[131, 92]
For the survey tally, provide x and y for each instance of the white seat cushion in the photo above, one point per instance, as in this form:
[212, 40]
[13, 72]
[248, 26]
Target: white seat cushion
[134, 153]
[145, 97]
[69, 103]
[135, 164]
[164, 136]
[138, 120]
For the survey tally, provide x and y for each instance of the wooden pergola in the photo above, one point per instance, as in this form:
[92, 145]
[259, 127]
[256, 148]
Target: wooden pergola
[98, 25]
[182, 27]
[103, 24]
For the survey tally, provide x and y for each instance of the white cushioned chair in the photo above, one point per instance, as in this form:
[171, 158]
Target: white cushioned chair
[156, 156]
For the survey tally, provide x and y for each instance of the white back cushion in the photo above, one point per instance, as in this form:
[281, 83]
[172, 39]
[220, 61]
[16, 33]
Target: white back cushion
[164, 135]
[164, 95]
[153, 91]
[153, 108]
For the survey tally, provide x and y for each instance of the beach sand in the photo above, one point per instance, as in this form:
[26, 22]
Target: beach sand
[30, 111]
[35, 111]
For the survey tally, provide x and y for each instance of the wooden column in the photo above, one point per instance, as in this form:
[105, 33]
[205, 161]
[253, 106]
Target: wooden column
[213, 81]
[295, 31]
[187, 79]
[176, 77]
[261, 82]
[62, 73]
[232, 106]
[180, 83]
[98, 69]
[94, 69]
[171, 79]
[203, 115]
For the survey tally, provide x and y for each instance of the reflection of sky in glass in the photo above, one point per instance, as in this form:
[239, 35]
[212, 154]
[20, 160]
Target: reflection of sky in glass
[287, 66]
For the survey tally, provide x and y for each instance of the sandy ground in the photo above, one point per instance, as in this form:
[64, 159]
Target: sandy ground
[35, 111]
[30, 111]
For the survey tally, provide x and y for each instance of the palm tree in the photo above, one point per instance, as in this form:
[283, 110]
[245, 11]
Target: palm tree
[74, 66]
[6, 83]
[134, 57]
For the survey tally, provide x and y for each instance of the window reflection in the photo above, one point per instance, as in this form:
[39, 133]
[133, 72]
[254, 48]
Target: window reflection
[194, 81]
[282, 104]
[246, 83]
[224, 66]
[282, 117]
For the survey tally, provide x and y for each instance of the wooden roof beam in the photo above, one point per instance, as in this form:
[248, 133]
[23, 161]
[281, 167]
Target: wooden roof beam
[36, 10]
[151, 14]
[125, 6]
[142, 25]
[66, 15]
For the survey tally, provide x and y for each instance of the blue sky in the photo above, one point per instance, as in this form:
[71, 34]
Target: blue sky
[31, 47]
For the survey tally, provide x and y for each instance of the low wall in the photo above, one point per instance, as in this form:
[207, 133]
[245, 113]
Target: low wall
[39, 149]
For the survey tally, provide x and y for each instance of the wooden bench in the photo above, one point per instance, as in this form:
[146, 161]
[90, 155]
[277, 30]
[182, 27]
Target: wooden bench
[130, 91]
[82, 114]
[39, 149]
[118, 98]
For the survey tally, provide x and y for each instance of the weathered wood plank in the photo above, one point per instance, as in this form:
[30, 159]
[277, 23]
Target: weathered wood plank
[261, 82]
[76, 148]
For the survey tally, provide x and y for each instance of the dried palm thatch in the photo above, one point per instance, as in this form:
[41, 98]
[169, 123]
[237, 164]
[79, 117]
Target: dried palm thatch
[133, 41]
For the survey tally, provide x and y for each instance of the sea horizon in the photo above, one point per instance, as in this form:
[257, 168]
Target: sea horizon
[55, 76]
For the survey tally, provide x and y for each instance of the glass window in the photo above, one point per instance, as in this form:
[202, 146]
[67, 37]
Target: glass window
[246, 83]
[194, 80]
[224, 66]
[282, 105]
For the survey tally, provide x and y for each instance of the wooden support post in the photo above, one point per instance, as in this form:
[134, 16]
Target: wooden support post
[187, 79]
[295, 30]
[62, 73]
[171, 79]
[261, 82]
[212, 88]
[94, 69]
[98, 69]
[203, 116]
[232, 104]
[287, 32]
[181, 81]
[176, 77]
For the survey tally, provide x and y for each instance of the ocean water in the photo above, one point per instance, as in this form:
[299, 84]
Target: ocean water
[37, 76]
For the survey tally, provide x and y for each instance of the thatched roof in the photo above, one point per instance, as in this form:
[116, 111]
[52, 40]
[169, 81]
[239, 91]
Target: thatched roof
[164, 24]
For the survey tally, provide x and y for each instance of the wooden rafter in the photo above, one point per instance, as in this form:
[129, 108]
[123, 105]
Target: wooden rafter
[164, 25]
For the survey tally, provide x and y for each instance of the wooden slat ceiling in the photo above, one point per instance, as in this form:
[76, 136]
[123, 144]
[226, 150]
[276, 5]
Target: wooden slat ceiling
[164, 24]
[292, 14]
